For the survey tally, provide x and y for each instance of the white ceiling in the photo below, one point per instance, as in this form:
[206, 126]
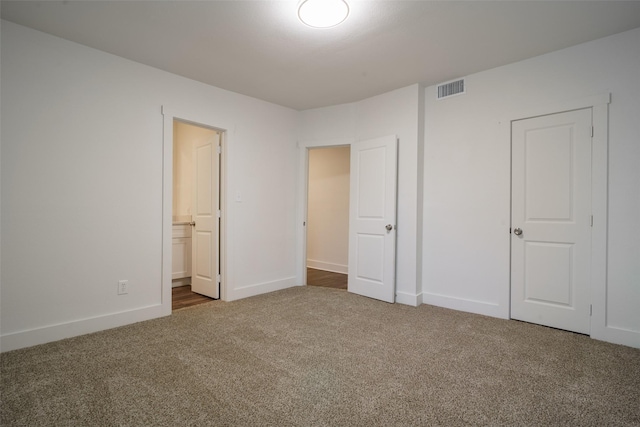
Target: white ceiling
[260, 49]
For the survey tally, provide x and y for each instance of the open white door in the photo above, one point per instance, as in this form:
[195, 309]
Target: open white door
[372, 218]
[205, 205]
[551, 220]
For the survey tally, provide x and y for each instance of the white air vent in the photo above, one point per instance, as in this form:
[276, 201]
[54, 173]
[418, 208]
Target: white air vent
[451, 88]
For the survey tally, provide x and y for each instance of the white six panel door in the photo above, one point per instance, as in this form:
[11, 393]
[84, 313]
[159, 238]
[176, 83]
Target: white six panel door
[372, 218]
[551, 220]
[205, 205]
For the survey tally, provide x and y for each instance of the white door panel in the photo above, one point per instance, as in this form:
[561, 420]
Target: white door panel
[205, 204]
[370, 176]
[372, 248]
[547, 279]
[203, 264]
[548, 194]
[551, 205]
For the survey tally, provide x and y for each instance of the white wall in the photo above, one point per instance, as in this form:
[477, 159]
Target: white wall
[328, 209]
[393, 113]
[82, 173]
[467, 176]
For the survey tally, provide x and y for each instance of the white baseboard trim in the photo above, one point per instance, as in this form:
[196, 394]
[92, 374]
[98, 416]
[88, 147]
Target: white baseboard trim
[31, 337]
[261, 288]
[617, 336]
[328, 266]
[176, 283]
[471, 306]
[408, 299]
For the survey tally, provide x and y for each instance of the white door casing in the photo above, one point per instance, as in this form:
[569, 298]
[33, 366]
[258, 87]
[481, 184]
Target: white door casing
[372, 218]
[551, 220]
[205, 207]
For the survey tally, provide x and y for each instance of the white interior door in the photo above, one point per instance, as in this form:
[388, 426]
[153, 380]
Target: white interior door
[205, 207]
[551, 220]
[372, 218]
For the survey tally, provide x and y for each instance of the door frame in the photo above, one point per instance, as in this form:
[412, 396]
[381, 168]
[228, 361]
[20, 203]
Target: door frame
[204, 121]
[303, 196]
[308, 151]
[571, 311]
[599, 105]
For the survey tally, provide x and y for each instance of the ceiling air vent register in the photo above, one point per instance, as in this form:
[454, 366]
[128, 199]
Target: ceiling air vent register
[451, 88]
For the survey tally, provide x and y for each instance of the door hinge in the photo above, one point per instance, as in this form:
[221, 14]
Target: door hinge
[219, 213]
[590, 310]
[591, 131]
[592, 220]
[218, 278]
[219, 149]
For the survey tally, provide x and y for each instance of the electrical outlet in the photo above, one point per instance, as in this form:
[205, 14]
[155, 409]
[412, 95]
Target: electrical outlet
[123, 287]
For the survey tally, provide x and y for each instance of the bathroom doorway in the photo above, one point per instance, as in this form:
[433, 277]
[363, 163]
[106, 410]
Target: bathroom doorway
[196, 214]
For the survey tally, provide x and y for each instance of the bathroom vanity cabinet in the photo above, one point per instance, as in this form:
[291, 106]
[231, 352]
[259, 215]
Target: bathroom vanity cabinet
[181, 242]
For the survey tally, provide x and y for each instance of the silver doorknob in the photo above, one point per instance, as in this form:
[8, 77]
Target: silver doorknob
[517, 231]
[389, 227]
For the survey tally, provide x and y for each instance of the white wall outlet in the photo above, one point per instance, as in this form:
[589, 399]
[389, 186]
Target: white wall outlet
[123, 287]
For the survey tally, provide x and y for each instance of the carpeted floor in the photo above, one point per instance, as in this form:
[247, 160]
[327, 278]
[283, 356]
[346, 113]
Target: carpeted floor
[322, 357]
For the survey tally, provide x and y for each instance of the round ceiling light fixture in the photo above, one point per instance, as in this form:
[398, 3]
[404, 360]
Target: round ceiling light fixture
[323, 13]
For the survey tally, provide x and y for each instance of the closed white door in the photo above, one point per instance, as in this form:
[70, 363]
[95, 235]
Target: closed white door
[372, 218]
[205, 207]
[551, 220]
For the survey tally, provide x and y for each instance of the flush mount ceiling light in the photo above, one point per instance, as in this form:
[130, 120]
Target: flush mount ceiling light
[323, 13]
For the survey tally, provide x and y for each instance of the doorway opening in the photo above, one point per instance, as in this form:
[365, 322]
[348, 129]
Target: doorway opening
[328, 217]
[371, 229]
[196, 214]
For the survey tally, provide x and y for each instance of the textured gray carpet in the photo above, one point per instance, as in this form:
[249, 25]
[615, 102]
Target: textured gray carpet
[318, 356]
